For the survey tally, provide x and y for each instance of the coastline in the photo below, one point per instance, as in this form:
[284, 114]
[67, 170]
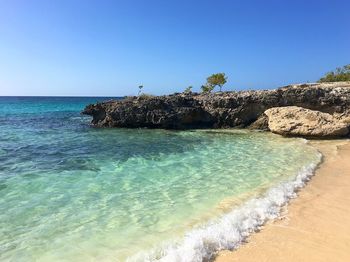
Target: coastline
[231, 229]
[313, 228]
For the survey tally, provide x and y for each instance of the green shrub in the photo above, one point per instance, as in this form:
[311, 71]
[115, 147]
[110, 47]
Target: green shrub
[188, 90]
[207, 88]
[340, 74]
[218, 79]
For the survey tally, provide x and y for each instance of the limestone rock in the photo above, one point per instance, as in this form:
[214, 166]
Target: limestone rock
[217, 110]
[298, 121]
[262, 123]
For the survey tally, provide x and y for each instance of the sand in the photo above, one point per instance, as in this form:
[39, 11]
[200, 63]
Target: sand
[316, 226]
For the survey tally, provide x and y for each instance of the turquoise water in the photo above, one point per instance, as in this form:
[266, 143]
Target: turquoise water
[69, 192]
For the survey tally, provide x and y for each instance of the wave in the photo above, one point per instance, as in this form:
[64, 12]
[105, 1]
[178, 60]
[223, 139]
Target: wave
[232, 229]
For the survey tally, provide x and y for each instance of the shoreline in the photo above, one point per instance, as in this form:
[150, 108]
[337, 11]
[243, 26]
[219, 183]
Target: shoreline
[315, 227]
[231, 229]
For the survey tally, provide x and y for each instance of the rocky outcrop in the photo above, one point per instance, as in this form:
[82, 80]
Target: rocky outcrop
[218, 110]
[298, 121]
[171, 112]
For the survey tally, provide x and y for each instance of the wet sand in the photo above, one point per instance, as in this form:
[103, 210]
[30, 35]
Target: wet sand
[316, 226]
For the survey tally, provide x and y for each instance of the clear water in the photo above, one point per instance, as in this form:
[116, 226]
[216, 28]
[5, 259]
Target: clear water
[69, 192]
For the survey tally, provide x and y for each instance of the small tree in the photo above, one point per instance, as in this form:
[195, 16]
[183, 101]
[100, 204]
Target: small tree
[340, 74]
[207, 88]
[140, 89]
[188, 90]
[218, 79]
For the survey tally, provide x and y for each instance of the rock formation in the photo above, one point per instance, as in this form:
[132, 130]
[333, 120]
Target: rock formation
[219, 110]
[298, 121]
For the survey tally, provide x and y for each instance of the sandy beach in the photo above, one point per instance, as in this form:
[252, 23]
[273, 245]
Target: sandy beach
[316, 226]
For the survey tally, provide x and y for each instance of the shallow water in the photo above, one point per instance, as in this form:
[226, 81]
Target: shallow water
[69, 192]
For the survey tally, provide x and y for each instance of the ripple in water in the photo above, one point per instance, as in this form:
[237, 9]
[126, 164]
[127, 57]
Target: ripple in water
[69, 192]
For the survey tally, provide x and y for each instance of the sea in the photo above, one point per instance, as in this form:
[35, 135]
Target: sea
[73, 192]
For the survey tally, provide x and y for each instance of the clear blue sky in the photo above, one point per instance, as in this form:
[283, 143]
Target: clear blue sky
[108, 48]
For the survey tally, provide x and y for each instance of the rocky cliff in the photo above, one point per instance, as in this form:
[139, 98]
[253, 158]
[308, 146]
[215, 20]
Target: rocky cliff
[218, 110]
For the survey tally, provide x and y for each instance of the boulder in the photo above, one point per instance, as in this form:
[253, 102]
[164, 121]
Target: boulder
[298, 121]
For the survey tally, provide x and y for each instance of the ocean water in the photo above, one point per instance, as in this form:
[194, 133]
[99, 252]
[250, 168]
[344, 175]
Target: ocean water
[70, 192]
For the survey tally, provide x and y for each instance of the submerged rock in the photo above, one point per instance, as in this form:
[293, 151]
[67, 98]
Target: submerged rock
[218, 110]
[298, 121]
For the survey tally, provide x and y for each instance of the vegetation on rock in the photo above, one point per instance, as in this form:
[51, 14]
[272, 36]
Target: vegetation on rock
[207, 88]
[229, 109]
[340, 74]
[218, 79]
[188, 90]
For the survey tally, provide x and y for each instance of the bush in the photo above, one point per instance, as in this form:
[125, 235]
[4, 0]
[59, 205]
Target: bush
[340, 74]
[188, 90]
[207, 88]
[218, 79]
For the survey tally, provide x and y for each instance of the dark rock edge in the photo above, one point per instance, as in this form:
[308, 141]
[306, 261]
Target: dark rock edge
[218, 110]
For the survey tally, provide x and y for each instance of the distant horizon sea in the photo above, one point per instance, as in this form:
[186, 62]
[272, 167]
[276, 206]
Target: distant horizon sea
[72, 192]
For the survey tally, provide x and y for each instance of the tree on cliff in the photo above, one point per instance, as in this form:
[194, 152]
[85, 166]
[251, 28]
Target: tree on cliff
[340, 74]
[218, 79]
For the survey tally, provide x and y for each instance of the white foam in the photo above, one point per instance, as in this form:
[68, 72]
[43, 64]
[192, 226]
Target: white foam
[232, 229]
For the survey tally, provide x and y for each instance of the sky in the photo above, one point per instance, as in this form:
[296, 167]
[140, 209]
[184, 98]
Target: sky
[109, 48]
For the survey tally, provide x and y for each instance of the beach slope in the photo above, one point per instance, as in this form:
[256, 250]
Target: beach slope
[316, 226]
